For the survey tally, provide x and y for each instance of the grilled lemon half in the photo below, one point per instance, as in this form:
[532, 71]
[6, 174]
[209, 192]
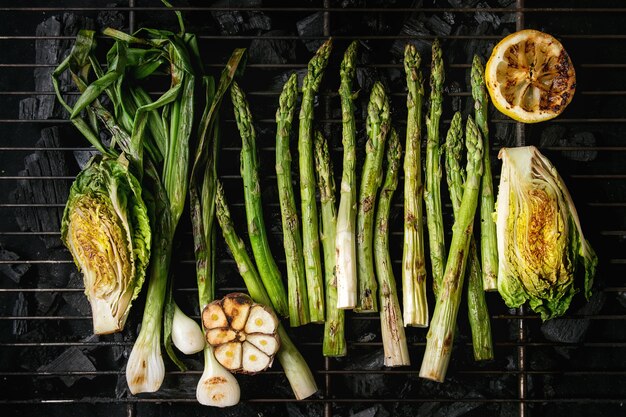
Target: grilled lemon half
[530, 76]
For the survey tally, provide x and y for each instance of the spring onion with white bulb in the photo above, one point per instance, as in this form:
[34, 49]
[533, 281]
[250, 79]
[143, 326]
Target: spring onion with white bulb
[217, 387]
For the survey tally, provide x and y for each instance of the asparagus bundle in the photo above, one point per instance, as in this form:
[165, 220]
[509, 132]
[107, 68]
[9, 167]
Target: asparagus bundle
[394, 340]
[413, 262]
[334, 338]
[488, 244]
[294, 365]
[441, 333]
[310, 229]
[476, 304]
[432, 190]
[292, 236]
[377, 126]
[346, 218]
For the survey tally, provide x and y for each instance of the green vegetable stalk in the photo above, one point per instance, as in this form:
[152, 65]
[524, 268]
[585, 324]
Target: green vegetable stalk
[296, 369]
[488, 242]
[217, 386]
[476, 305]
[392, 329]
[310, 227]
[334, 338]
[345, 245]
[254, 209]
[292, 235]
[442, 327]
[377, 126]
[414, 299]
[432, 190]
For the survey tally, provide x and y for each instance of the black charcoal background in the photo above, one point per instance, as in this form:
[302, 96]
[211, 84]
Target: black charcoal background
[579, 357]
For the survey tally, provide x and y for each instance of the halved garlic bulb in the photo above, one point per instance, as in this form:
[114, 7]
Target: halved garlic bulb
[242, 332]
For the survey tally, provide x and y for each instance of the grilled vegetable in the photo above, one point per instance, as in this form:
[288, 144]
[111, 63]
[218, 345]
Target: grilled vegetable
[254, 210]
[540, 241]
[186, 334]
[377, 126]
[217, 387]
[442, 327]
[530, 76]
[310, 227]
[488, 245]
[476, 305]
[242, 333]
[292, 234]
[394, 339]
[414, 299]
[432, 187]
[334, 339]
[106, 228]
[345, 245]
[296, 369]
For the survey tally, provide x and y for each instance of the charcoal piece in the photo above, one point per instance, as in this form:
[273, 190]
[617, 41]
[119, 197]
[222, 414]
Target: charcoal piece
[111, 19]
[484, 16]
[20, 309]
[552, 135]
[463, 3]
[452, 389]
[455, 409]
[51, 276]
[279, 81]
[44, 192]
[414, 28]
[573, 330]
[13, 271]
[72, 359]
[304, 410]
[454, 88]
[369, 412]
[582, 139]
[449, 18]
[621, 298]
[366, 337]
[438, 26]
[506, 3]
[233, 22]
[310, 26]
[272, 51]
[83, 157]
[367, 385]
[77, 299]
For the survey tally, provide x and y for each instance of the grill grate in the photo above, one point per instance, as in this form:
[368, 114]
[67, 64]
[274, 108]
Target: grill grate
[534, 373]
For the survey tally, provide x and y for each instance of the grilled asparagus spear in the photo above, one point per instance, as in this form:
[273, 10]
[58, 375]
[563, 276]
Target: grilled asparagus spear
[392, 329]
[292, 236]
[476, 305]
[488, 244]
[432, 191]
[254, 209]
[441, 333]
[334, 338]
[377, 126]
[346, 218]
[310, 228]
[414, 300]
